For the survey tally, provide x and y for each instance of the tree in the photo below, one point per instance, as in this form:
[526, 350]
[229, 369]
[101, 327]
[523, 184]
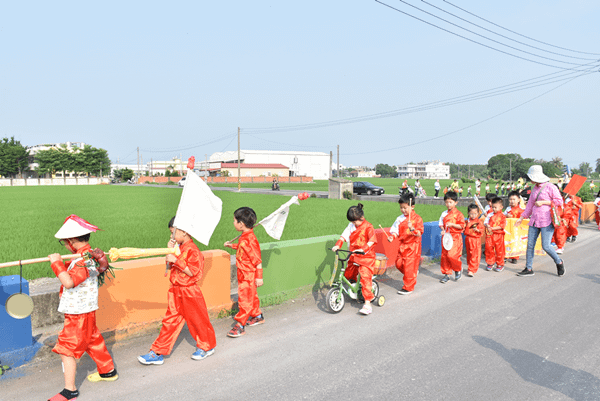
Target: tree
[584, 169]
[386, 170]
[14, 158]
[557, 162]
[127, 174]
[598, 166]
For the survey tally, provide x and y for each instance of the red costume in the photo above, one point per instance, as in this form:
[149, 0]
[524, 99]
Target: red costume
[473, 243]
[560, 232]
[575, 205]
[409, 250]
[186, 304]
[247, 258]
[450, 260]
[514, 212]
[361, 264]
[80, 333]
[494, 249]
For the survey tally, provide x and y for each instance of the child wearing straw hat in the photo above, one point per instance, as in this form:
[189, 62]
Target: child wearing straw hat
[79, 302]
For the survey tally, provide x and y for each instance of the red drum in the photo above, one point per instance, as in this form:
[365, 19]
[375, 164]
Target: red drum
[380, 264]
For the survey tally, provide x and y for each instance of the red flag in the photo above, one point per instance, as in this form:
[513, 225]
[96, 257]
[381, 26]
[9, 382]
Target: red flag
[574, 185]
[191, 162]
[303, 195]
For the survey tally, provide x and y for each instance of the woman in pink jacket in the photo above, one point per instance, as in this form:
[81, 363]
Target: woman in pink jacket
[539, 212]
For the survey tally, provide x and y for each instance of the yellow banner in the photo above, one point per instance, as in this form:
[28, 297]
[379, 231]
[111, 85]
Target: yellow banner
[515, 239]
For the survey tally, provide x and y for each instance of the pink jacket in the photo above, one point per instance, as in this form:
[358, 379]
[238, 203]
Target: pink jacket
[540, 216]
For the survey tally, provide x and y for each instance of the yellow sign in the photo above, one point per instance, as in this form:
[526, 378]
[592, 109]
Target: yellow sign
[515, 239]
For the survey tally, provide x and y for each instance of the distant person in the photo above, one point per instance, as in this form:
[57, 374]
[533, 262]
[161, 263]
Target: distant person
[497, 187]
[408, 228]
[249, 272]
[592, 186]
[469, 194]
[487, 187]
[445, 191]
[473, 232]
[417, 186]
[360, 234]
[560, 231]
[503, 189]
[539, 212]
[597, 212]
[454, 186]
[478, 187]
[495, 223]
[460, 192]
[437, 187]
[452, 221]
[513, 211]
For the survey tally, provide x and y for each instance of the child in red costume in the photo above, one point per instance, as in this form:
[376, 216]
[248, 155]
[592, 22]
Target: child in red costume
[185, 302]
[249, 272]
[513, 211]
[488, 212]
[361, 236]
[452, 221]
[408, 228]
[79, 302]
[597, 212]
[575, 204]
[560, 231]
[494, 225]
[473, 232]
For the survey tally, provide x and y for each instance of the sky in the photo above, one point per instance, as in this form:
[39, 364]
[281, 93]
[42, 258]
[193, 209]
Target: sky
[180, 77]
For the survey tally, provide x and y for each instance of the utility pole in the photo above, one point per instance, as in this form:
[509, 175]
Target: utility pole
[239, 178]
[138, 161]
[338, 161]
[151, 162]
[330, 162]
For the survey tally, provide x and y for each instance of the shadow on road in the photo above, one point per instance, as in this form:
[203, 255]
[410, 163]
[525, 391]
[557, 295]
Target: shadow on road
[575, 384]
[594, 277]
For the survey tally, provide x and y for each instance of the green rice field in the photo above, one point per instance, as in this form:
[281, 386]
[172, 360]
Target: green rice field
[138, 217]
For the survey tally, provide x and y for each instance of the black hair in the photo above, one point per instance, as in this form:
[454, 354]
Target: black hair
[497, 200]
[598, 194]
[245, 215]
[172, 222]
[513, 193]
[355, 212]
[408, 199]
[472, 206]
[451, 195]
[84, 238]
[489, 196]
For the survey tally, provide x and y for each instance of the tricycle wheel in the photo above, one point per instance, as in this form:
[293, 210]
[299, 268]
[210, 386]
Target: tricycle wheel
[375, 288]
[380, 301]
[334, 300]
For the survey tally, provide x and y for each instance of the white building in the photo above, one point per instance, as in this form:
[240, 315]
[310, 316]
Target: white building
[311, 164]
[33, 150]
[427, 169]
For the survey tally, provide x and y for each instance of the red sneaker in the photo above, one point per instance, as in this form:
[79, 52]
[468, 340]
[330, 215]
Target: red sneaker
[256, 320]
[237, 331]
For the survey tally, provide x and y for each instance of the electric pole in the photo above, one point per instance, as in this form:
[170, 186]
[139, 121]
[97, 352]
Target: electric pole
[330, 162]
[338, 161]
[138, 162]
[239, 179]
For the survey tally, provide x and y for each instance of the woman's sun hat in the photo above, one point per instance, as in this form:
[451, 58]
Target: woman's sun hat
[536, 174]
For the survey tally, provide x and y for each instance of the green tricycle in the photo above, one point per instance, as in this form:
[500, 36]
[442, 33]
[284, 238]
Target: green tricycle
[340, 285]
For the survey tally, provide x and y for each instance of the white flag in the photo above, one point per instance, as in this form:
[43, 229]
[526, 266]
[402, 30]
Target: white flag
[199, 209]
[275, 222]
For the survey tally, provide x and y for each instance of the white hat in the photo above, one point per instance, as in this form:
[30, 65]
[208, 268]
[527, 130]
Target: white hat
[536, 174]
[74, 226]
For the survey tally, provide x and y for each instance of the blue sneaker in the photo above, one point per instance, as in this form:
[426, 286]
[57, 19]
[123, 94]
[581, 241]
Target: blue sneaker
[151, 359]
[489, 268]
[201, 354]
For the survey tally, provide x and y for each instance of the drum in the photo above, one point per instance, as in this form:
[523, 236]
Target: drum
[380, 264]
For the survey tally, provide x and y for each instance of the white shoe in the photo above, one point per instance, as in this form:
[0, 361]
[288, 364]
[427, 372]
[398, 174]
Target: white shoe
[559, 251]
[366, 310]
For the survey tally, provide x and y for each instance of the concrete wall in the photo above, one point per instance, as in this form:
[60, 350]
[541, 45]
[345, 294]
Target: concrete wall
[20, 182]
[230, 179]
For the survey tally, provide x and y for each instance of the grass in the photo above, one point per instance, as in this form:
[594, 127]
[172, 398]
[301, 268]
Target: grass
[138, 217]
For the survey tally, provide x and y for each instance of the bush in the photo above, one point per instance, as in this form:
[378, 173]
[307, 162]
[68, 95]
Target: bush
[467, 180]
[313, 195]
[347, 194]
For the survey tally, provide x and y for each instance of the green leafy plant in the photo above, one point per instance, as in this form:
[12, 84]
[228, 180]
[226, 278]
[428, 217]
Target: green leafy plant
[347, 195]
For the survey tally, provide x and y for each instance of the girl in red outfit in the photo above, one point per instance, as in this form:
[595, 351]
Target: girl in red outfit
[452, 221]
[513, 211]
[361, 236]
[185, 303]
[408, 228]
[79, 302]
[574, 203]
[494, 247]
[473, 232]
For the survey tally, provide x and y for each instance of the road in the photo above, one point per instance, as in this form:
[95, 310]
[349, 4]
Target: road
[492, 337]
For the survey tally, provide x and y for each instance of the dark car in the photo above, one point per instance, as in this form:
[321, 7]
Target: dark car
[363, 187]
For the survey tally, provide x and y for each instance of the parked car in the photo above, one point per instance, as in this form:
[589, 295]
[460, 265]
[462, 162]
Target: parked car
[364, 187]
[181, 182]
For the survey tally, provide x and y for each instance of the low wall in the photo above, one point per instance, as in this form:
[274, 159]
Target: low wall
[21, 182]
[231, 180]
[586, 214]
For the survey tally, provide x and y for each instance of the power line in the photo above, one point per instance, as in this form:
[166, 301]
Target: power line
[474, 41]
[467, 127]
[506, 37]
[485, 37]
[188, 147]
[517, 33]
[497, 91]
[289, 144]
